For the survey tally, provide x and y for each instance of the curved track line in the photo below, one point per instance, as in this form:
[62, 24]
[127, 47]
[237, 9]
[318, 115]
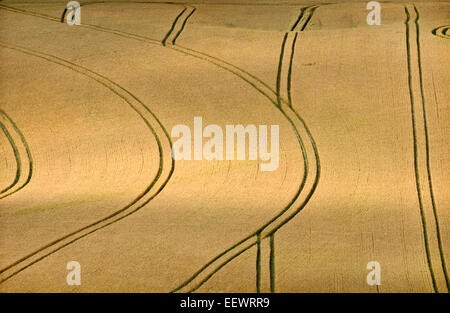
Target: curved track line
[4, 193]
[442, 31]
[272, 263]
[84, 25]
[172, 27]
[17, 158]
[132, 207]
[427, 151]
[415, 135]
[182, 26]
[266, 235]
[416, 167]
[258, 262]
[258, 233]
[259, 85]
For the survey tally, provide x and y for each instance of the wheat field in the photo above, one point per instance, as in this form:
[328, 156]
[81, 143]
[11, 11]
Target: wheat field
[87, 173]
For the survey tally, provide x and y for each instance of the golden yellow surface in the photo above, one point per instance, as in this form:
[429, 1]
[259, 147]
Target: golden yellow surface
[86, 171]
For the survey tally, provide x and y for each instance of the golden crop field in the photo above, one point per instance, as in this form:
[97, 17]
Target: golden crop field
[117, 148]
